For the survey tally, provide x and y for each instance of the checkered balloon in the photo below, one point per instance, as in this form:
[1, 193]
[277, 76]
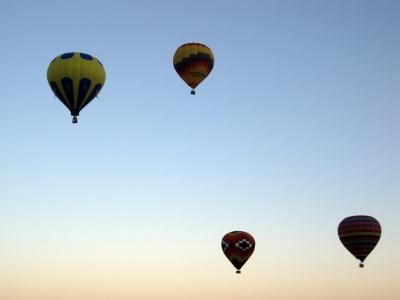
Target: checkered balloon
[238, 246]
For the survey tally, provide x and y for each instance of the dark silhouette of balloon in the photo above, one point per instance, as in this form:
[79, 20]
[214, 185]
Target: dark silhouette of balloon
[360, 235]
[193, 62]
[238, 246]
[76, 79]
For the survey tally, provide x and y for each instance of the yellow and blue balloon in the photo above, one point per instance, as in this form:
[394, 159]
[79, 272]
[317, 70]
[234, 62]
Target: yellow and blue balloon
[76, 79]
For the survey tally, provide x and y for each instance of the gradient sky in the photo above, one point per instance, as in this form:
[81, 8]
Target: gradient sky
[296, 128]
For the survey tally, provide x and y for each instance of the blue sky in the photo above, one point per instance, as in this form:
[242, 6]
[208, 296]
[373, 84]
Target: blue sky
[296, 128]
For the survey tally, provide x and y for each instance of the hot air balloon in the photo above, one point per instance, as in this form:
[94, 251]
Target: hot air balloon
[193, 62]
[238, 246]
[76, 79]
[360, 235]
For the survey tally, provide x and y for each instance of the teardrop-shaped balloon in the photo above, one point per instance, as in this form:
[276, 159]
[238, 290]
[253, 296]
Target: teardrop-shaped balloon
[359, 234]
[76, 79]
[193, 62]
[238, 246]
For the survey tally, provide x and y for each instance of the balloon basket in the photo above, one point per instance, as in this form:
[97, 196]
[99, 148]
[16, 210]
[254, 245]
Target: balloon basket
[193, 92]
[361, 265]
[74, 120]
[238, 272]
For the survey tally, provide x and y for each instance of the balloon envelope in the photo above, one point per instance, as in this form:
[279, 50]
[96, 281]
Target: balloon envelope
[193, 62]
[359, 234]
[76, 79]
[238, 246]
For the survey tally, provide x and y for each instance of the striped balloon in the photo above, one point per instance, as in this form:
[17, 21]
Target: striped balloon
[238, 246]
[360, 235]
[193, 62]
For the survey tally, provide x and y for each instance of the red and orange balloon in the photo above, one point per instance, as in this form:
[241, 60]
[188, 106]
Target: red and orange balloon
[193, 62]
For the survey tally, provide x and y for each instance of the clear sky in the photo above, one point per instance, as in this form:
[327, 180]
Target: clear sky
[296, 128]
